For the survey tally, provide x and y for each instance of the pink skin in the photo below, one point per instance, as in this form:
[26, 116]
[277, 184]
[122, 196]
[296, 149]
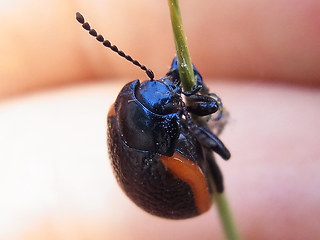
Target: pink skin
[248, 39]
[55, 179]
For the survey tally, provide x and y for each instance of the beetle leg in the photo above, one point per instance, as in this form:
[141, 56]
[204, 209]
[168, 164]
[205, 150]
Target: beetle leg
[202, 105]
[219, 102]
[217, 124]
[196, 88]
[215, 171]
[208, 140]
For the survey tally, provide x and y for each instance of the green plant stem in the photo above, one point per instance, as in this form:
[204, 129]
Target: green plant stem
[226, 219]
[184, 61]
[188, 81]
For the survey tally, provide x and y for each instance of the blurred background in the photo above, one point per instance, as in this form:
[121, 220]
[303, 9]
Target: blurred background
[42, 45]
[57, 82]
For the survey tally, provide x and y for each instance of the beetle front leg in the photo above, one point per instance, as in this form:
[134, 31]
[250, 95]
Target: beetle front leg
[196, 88]
[202, 105]
[210, 141]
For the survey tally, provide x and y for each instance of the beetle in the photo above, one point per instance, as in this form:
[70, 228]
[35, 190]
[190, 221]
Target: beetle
[162, 158]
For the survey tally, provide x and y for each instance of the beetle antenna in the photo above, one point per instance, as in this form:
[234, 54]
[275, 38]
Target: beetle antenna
[108, 44]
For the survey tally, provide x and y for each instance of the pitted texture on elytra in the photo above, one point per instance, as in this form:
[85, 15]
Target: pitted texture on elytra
[146, 181]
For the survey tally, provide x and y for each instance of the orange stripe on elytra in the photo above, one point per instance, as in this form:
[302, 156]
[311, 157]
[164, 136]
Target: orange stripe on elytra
[192, 174]
[112, 111]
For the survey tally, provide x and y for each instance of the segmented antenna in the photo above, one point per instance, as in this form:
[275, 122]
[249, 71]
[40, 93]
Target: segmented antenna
[107, 44]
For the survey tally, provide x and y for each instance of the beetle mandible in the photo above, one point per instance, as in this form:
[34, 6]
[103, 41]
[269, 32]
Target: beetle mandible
[161, 157]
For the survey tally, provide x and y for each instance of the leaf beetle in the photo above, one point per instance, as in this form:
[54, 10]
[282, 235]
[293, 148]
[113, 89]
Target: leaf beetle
[161, 157]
